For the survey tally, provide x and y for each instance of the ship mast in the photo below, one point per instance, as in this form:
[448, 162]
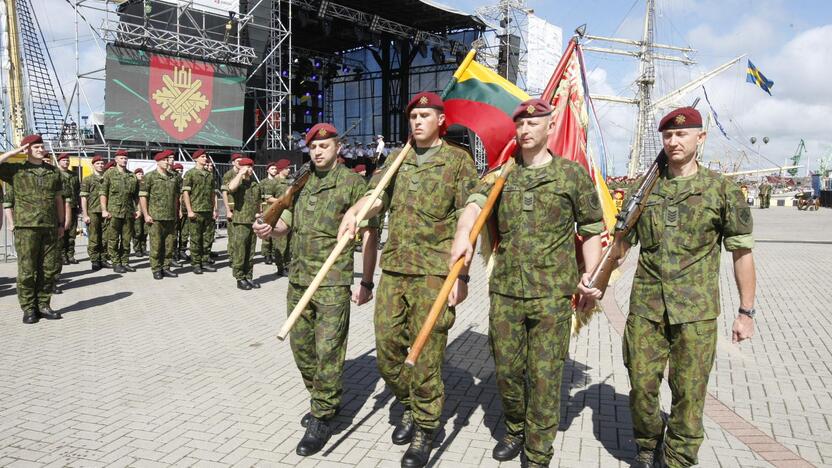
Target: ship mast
[17, 109]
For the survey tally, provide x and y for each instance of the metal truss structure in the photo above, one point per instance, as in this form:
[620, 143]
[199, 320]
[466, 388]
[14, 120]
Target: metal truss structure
[506, 40]
[278, 89]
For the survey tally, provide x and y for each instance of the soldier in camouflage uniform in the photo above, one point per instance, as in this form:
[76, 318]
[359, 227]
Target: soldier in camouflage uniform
[211, 233]
[159, 200]
[229, 201]
[39, 214]
[182, 225]
[107, 262]
[424, 200]
[319, 337]
[72, 189]
[765, 195]
[274, 250]
[200, 205]
[91, 212]
[674, 303]
[118, 201]
[245, 193]
[139, 228]
[535, 274]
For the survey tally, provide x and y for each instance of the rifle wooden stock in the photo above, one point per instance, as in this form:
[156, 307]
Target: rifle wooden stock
[275, 210]
[627, 219]
[342, 243]
[439, 304]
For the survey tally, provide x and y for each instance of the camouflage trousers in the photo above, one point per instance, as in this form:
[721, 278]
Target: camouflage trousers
[530, 342]
[95, 231]
[162, 235]
[119, 234]
[689, 349]
[139, 235]
[200, 242]
[241, 251]
[105, 249]
[402, 304]
[38, 265]
[210, 235]
[182, 234]
[229, 233]
[278, 249]
[319, 344]
[68, 239]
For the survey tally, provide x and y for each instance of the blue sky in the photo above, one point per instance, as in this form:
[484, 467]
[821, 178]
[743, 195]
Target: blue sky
[789, 40]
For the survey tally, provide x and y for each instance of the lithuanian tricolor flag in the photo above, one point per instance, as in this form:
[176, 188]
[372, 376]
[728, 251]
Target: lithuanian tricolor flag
[483, 101]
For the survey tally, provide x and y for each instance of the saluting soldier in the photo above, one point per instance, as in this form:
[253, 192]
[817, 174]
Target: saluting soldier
[674, 303]
[424, 200]
[229, 201]
[544, 200]
[91, 212]
[319, 337]
[72, 189]
[200, 205]
[118, 201]
[39, 214]
[159, 200]
[245, 192]
[275, 250]
[139, 228]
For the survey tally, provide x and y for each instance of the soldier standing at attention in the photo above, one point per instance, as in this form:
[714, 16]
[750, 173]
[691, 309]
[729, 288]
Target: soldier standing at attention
[276, 250]
[245, 192]
[229, 201]
[72, 188]
[118, 201]
[200, 205]
[139, 228]
[674, 303]
[159, 199]
[182, 230]
[211, 233]
[535, 274]
[765, 194]
[425, 199]
[91, 212]
[319, 337]
[39, 214]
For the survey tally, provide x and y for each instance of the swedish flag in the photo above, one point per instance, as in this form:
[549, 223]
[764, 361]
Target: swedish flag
[754, 76]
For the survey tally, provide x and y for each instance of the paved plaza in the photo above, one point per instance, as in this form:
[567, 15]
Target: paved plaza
[188, 372]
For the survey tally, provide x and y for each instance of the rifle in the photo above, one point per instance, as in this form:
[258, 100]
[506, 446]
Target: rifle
[627, 218]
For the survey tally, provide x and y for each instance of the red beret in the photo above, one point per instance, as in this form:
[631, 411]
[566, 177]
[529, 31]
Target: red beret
[96, 159]
[177, 166]
[121, 152]
[33, 139]
[683, 117]
[282, 164]
[425, 100]
[63, 156]
[138, 171]
[246, 162]
[236, 156]
[270, 165]
[198, 153]
[357, 169]
[321, 131]
[162, 155]
[535, 107]
[109, 165]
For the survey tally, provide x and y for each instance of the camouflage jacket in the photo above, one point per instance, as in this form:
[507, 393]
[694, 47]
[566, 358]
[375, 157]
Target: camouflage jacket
[226, 178]
[199, 184]
[314, 218]
[424, 202]
[72, 188]
[32, 193]
[90, 188]
[162, 193]
[246, 201]
[537, 213]
[272, 188]
[680, 231]
[120, 190]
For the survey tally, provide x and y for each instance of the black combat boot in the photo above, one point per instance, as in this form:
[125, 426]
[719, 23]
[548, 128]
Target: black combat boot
[157, 275]
[119, 269]
[317, 433]
[197, 269]
[508, 447]
[169, 274]
[243, 284]
[404, 430]
[269, 260]
[47, 312]
[418, 454]
[128, 268]
[208, 268]
[96, 265]
[253, 284]
[175, 264]
[30, 316]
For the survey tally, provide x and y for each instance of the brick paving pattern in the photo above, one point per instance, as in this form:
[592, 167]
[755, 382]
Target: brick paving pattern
[187, 371]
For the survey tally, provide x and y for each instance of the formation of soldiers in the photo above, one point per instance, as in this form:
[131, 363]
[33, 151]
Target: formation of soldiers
[432, 203]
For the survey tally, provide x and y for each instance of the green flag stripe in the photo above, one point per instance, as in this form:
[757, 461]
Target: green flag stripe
[488, 93]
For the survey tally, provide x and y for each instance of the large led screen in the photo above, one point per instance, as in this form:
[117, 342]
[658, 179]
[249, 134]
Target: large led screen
[159, 98]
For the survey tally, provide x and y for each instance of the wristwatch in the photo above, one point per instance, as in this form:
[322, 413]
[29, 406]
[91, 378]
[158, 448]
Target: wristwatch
[367, 284]
[464, 278]
[749, 312]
